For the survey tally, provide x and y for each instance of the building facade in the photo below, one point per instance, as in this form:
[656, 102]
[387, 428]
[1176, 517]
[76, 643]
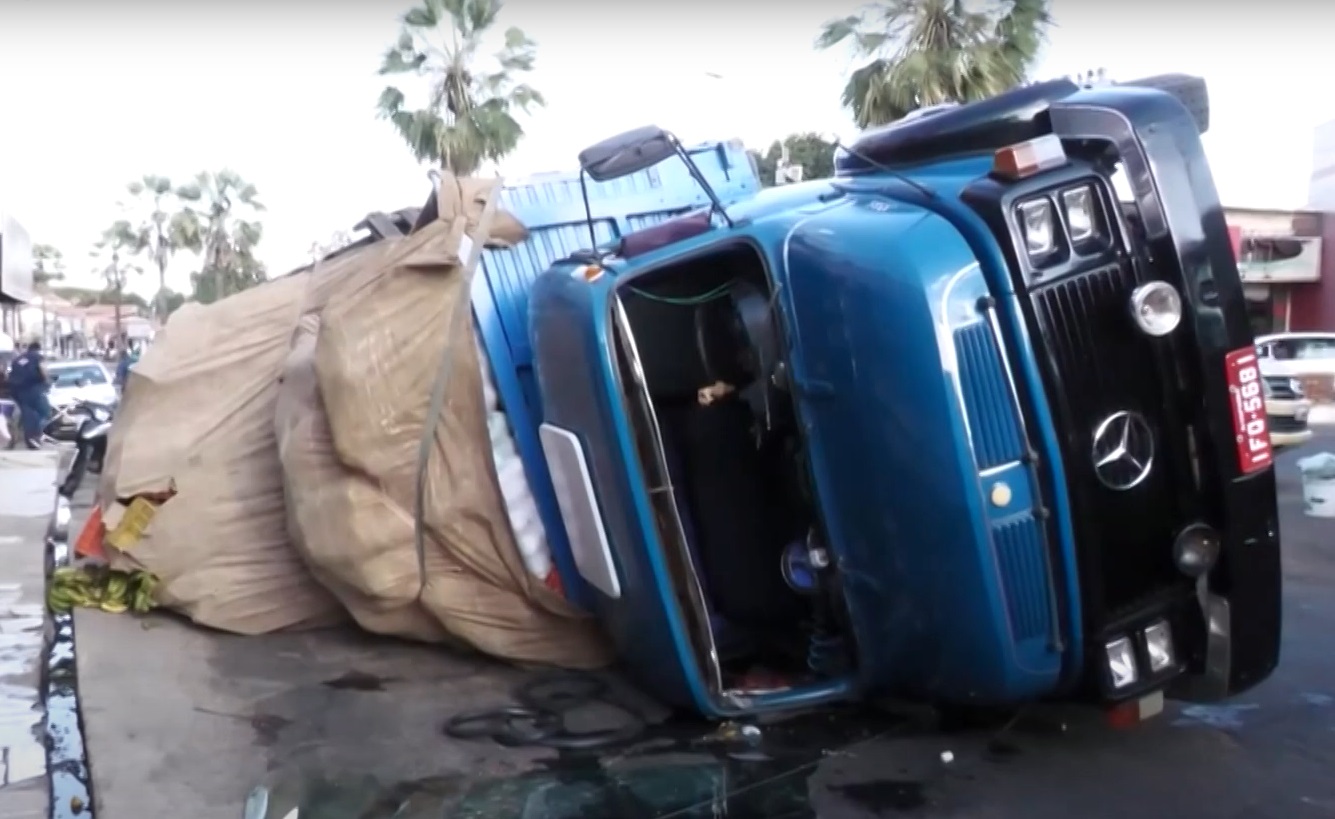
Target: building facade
[16, 268]
[1282, 255]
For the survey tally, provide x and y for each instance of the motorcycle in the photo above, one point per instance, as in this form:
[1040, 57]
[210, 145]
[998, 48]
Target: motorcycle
[90, 441]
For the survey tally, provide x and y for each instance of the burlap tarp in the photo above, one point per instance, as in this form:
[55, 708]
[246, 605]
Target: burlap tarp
[345, 528]
[350, 437]
[197, 418]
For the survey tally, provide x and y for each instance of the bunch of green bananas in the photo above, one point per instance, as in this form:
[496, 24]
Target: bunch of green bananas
[98, 587]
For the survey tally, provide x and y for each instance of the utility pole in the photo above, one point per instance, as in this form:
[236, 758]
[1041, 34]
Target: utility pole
[116, 284]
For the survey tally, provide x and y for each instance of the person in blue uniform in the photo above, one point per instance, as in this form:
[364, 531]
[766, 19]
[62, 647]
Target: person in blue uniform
[28, 385]
[128, 358]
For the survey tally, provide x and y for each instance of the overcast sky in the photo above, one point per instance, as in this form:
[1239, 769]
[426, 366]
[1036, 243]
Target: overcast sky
[94, 94]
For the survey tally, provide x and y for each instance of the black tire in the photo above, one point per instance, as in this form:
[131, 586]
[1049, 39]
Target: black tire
[74, 478]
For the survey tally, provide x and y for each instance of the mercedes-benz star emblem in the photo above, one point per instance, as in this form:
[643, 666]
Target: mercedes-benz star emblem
[1123, 450]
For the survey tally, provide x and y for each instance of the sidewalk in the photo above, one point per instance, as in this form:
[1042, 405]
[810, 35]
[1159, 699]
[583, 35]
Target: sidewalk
[27, 501]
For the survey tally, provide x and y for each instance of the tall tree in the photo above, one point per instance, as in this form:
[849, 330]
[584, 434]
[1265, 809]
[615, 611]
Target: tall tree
[229, 230]
[469, 116]
[166, 226]
[917, 53]
[48, 264]
[809, 150]
[113, 256]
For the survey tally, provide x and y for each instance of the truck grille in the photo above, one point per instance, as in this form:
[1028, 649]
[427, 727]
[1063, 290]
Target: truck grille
[1281, 387]
[988, 401]
[1095, 363]
[1286, 423]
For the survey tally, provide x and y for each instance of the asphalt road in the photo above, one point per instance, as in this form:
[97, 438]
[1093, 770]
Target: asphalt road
[349, 726]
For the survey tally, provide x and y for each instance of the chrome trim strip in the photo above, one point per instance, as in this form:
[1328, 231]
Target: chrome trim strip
[673, 528]
[998, 469]
[995, 326]
[953, 367]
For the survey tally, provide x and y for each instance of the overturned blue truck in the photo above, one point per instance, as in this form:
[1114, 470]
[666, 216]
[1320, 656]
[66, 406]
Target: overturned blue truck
[960, 424]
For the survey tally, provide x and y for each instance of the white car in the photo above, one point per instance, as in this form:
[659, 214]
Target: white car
[83, 379]
[1298, 355]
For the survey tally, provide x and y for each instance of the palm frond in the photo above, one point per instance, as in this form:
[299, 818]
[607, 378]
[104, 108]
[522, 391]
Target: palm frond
[398, 60]
[924, 52]
[423, 16]
[470, 111]
[390, 102]
[835, 32]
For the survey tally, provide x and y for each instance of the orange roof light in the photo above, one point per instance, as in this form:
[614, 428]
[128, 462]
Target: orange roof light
[1025, 159]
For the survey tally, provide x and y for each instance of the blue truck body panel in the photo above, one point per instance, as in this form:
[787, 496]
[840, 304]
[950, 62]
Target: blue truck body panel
[895, 395]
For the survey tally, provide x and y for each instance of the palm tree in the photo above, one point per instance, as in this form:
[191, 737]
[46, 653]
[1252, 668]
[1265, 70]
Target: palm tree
[167, 226]
[926, 52]
[48, 264]
[470, 113]
[111, 256]
[229, 232]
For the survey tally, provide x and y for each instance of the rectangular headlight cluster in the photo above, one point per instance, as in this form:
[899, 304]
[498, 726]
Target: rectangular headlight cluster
[1042, 230]
[1124, 661]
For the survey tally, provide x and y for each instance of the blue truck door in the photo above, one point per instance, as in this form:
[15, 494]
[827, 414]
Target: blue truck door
[552, 208]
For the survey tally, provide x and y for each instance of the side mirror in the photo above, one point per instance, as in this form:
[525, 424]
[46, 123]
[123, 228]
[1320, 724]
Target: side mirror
[628, 153]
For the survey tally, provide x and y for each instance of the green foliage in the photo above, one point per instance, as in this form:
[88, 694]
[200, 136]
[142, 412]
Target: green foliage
[229, 230]
[48, 264]
[810, 150]
[165, 225]
[85, 297]
[114, 257]
[917, 53]
[173, 301]
[470, 113]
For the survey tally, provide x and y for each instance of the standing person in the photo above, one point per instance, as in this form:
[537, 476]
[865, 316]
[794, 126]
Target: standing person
[28, 384]
[128, 357]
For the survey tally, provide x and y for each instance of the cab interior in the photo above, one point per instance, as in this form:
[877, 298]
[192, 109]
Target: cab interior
[701, 360]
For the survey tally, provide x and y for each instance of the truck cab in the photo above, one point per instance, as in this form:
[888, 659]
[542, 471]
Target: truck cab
[956, 425]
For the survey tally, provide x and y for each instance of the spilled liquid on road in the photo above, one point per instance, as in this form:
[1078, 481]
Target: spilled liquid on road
[66, 751]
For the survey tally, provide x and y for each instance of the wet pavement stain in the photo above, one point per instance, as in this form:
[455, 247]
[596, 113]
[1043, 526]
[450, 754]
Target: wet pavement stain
[268, 727]
[66, 750]
[884, 797]
[22, 755]
[675, 770]
[358, 681]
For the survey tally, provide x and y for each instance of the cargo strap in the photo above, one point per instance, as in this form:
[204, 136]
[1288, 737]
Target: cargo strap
[463, 308]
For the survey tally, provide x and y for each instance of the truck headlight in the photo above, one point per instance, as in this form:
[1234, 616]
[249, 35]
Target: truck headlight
[1039, 229]
[1079, 206]
[1159, 646]
[1122, 662]
[1157, 308]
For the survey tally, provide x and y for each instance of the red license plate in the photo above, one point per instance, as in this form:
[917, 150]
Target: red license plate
[1248, 399]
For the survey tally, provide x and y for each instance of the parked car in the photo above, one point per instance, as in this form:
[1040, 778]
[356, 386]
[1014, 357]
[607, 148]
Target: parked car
[1298, 355]
[83, 379]
[1286, 408]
